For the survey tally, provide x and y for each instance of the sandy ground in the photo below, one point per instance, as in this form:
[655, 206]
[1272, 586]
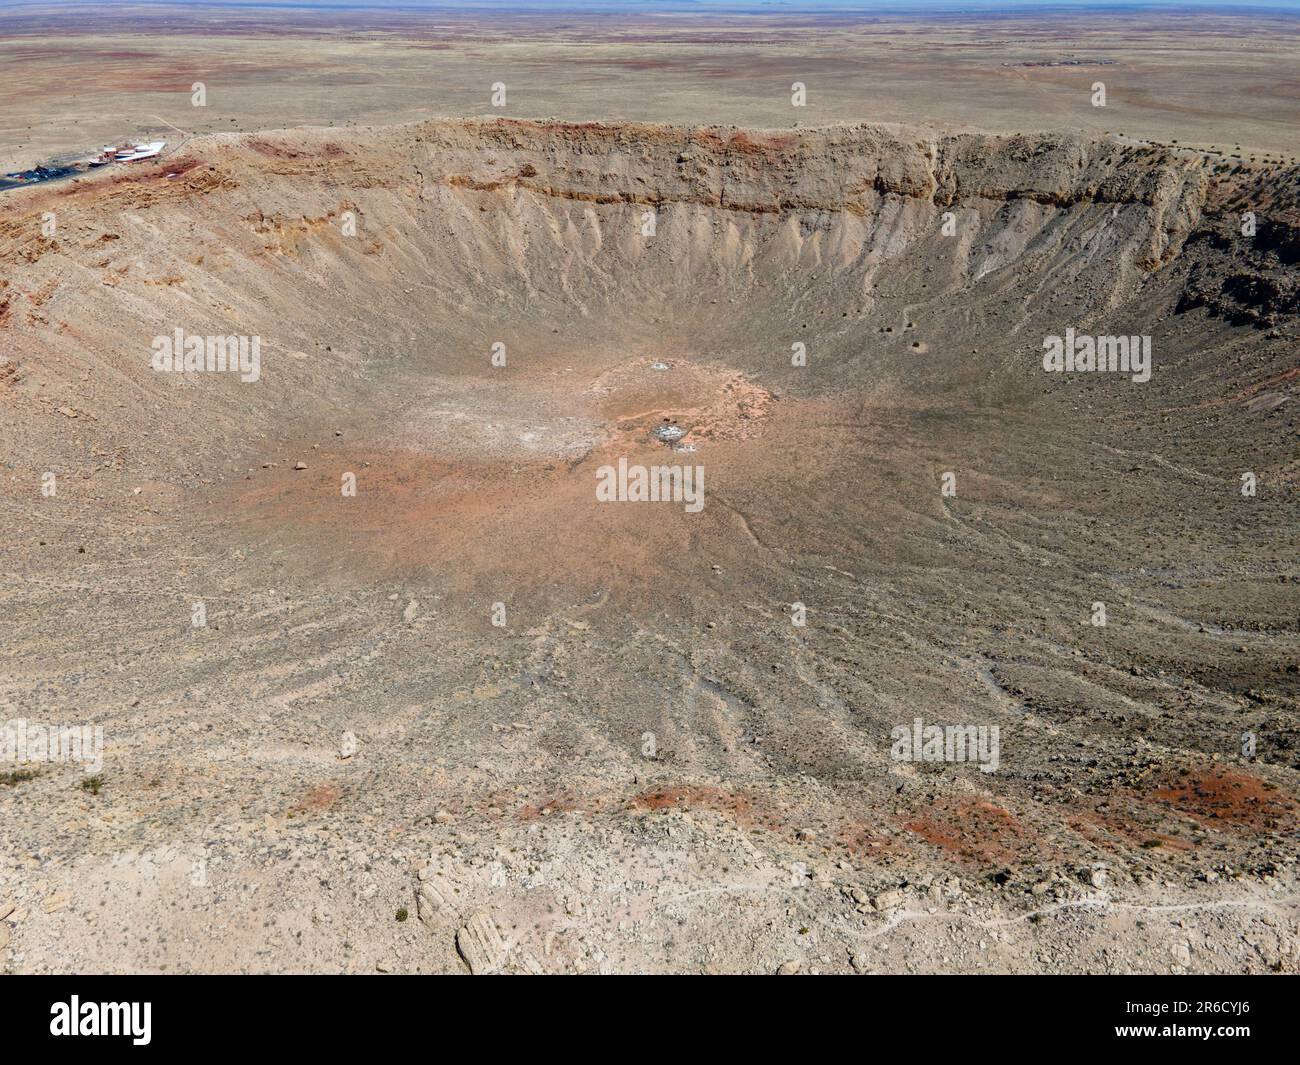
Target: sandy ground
[81, 79]
[471, 718]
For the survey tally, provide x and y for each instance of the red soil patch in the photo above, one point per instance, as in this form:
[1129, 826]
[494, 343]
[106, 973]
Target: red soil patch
[738, 807]
[745, 143]
[480, 526]
[181, 167]
[1219, 798]
[978, 832]
[317, 800]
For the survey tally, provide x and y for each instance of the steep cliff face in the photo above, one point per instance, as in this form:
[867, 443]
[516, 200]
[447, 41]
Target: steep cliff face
[843, 168]
[852, 174]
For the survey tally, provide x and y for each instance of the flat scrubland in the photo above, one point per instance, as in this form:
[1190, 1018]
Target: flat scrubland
[83, 78]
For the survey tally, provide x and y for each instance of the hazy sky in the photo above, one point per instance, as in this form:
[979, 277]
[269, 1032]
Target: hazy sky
[690, 5]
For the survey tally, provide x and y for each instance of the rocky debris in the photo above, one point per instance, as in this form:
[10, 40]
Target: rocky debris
[480, 944]
[432, 894]
[56, 902]
[428, 902]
